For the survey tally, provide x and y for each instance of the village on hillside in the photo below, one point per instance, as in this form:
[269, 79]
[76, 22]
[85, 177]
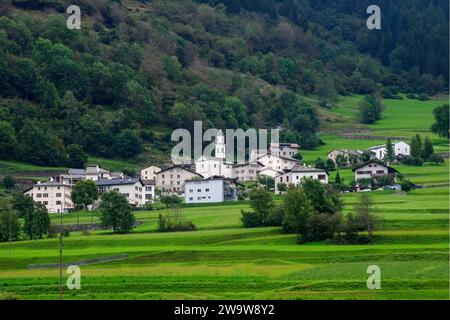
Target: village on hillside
[212, 180]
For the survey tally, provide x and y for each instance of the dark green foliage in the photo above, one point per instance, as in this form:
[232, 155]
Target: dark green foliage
[36, 221]
[441, 125]
[416, 152]
[390, 151]
[338, 179]
[8, 141]
[262, 204]
[436, 158]
[167, 223]
[231, 64]
[407, 185]
[8, 182]
[23, 204]
[364, 216]
[323, 198]
[428, 149]
[76, 157]
[170, 200]
[9, 222]
[84, 193]
[370, 109]
[297, 210]
[116, 212]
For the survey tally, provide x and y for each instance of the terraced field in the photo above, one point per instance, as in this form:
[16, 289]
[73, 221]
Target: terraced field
[224, 260]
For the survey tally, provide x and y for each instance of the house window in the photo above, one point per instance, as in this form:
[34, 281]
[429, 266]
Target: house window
[58, 203]
[58, 195]
[39, 195]
[191, 198]
[199, 190]
[46, 203]
[45, 195]
[322, 177]
[207, 190]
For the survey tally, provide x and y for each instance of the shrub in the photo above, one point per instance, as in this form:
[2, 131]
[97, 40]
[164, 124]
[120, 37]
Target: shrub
[168, 223]
[251, 219]
[423, 97]
[407, 185]
[436, 158]
[418, 162]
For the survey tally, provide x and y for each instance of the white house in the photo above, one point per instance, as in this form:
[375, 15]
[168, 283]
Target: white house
[278, 163]
[149, 191]
[373, 169]
[56, 196]
[269, 172]
[149, 173]
[298, 173]
[247, 171]
[284, 149]
[132, 189]
[172, 179]
[213, 189]
[96, 173]
[400, 148]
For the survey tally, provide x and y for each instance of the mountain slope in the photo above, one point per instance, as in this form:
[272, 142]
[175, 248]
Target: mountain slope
[138, 69]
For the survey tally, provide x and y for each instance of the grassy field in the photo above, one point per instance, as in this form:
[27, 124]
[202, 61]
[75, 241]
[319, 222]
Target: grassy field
[401, 118]
[223, 260]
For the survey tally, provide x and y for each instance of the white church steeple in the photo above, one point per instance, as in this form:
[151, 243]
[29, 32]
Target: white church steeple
[220, 145]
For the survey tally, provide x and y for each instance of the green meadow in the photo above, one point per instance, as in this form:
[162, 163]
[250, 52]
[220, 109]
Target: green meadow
[222, 260]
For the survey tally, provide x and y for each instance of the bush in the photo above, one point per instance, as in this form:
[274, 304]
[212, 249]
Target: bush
[423, 97]
[168, 224]
[411, 96]
[251, 219]
[407, 185]
[436, 158]
[417, 162]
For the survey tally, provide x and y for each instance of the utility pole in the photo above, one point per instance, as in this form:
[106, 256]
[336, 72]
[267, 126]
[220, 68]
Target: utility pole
[60, 256]
[10, 230]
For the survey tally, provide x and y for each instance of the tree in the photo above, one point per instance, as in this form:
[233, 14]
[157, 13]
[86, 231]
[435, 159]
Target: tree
[364, 215]
[76, 157]
[428, 149]
[116, 212]
[9, 222]
[297, 211]
[441, 124]
[23, 204]
[262, 202]
[390, 151]
[267, 182]
[282, 187]
[416, 147]
[329, 165]
[436, 158]
[170, 201]
[84, 193]
[127, 144]
[37, 222]
[8, 140]
[341, 161]
[323, 200]
[8, 182]
[338, 179]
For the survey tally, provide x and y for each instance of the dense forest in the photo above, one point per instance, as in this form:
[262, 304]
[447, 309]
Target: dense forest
[137, 69]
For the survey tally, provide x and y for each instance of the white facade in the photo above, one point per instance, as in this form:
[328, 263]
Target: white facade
[171, 180]
[209, 167]
[269, 172]
[96, 173]
[132, 189]
[284, 149]
[149, 190]
[247, 172]
[278, 163]
[372, 169]
[209, 191]
[55, 196]
[93, 173]
[300, 172]
[150, 173]
[400, 148]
